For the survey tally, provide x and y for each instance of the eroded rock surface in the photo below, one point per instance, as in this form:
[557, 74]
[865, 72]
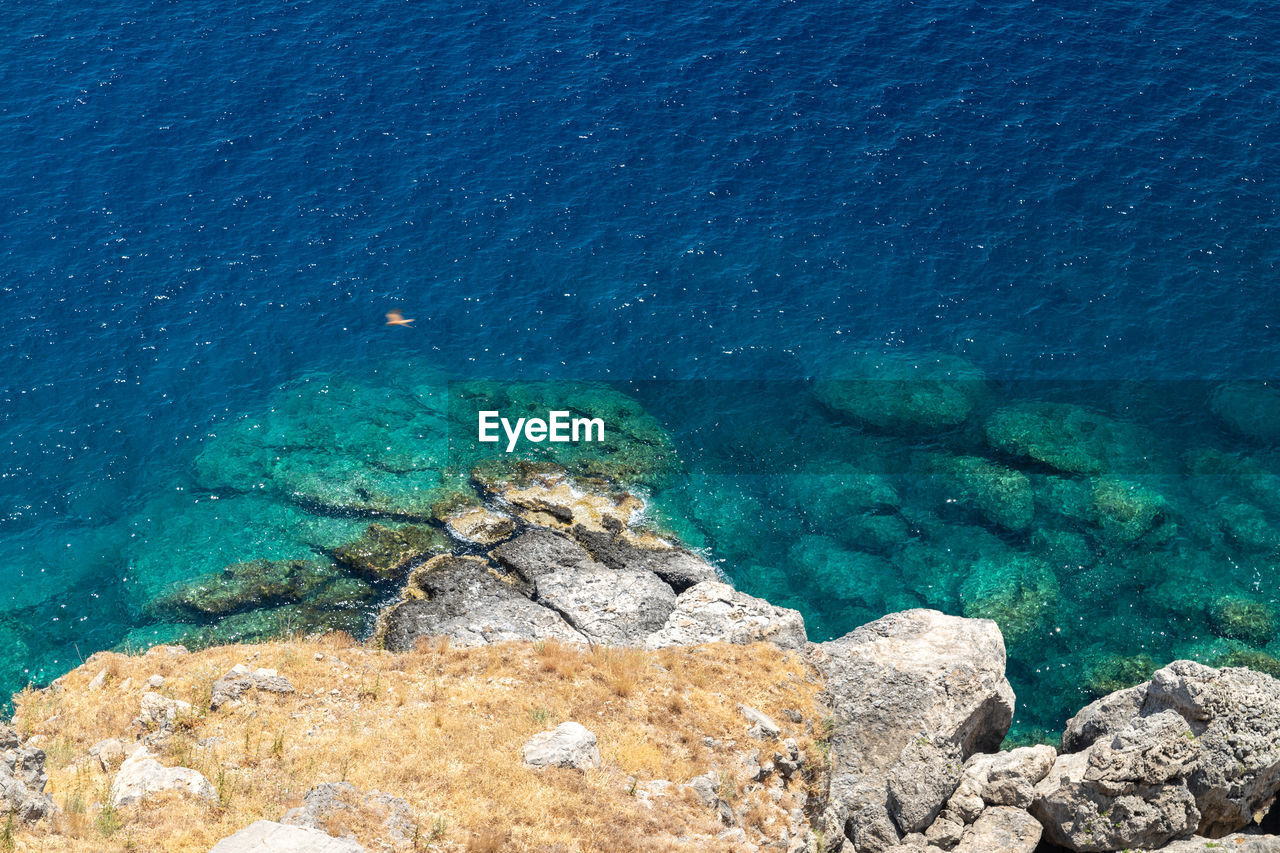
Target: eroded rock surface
[714, 612]
[1195, 749]
[141, 775]
[265, 835]
[618, 608]
[896, 685]
[460, 598]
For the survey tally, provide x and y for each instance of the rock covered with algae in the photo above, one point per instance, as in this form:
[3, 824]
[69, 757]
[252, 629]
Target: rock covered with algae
[634, 450]
[1071, 438]
[999, 494]
[900, 393]
[245, 586]
[1249, 408]
[1019, 592]
[385, 553]
[1127, 511]
[1238, 618]
[336, 446]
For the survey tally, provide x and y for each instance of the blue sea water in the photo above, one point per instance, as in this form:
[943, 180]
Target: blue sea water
[204, 202]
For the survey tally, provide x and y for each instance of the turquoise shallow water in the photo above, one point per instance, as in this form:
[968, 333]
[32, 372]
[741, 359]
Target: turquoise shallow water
[206, 203]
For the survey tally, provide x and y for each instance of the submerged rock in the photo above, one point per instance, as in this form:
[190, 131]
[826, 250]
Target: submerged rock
[1117, 672]
[1249, 408]
[1000, 495]
[897, 393]
[384, 553]
[1019, 592]
[1070, 438]
[1252, 622]
[1127, 512]
[245, 586]
[906, 677]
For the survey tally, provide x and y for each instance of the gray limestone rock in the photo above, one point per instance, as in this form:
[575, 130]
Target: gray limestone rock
[1001, 829]
[463, 600]
[266, 836]
[1009, 778]
[141, 775]
[1103, 717]
[906, 676]
[919, 783]
[1227, 763]
[22, 779]
[1235, 843]
[714, 612]
[231, 687]
[539, 551]
[326, 800]
[681, 569]
[1129, 791]
[569, 744]
[614, 607]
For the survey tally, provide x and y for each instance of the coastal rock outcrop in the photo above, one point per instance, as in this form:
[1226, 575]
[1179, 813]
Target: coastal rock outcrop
[910, 693]
[616, 607]
[714, 612]
[678, 567]
[1195, 749]
[539, 551]
[463, 599]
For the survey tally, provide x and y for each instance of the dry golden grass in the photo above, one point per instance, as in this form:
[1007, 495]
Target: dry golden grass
[439, 727]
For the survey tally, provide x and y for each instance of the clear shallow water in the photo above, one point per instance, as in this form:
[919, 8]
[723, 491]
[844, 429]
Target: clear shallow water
[204, 202]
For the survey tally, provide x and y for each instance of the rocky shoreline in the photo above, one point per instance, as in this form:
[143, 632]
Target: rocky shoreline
[906, 755]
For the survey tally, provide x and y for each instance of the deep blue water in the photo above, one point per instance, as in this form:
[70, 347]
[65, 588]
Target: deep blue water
[205, 201]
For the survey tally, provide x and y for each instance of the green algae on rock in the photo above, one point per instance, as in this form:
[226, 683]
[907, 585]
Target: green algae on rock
[385, 553]
[894, 392]
[1249, 408]
[244, 586]
[1071, 438]
[1127, 511]
[635, 449]
[999, 494]
[1253, 622]
[1116, 672]
[1018, 591]
[1250, 659]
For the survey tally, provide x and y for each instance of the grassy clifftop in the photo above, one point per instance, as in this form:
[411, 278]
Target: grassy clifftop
[439, 727]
